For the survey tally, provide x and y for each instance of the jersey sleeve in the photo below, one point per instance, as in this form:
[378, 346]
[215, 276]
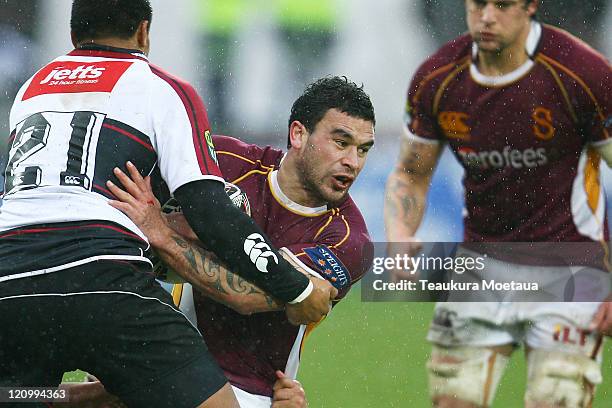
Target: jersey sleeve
[419, 120]
[237, 158]
[341, 253]
[183, 138]
[596, 111]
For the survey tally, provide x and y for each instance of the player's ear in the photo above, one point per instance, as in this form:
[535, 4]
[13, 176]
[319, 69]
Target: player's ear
[73, 39]
[142, 36]
[532, 7]
[298, 134]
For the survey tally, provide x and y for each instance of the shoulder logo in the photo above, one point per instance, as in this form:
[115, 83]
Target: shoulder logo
[259, 252]
[331, 267]
[76, 77]
[543, 128]
[454, 124]
[408, 112]
[211, 146]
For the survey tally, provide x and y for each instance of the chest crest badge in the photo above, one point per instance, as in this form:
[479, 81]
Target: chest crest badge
[454, 125]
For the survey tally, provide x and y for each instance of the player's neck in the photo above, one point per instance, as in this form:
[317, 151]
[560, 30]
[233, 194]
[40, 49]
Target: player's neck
[505, 61]
[293, 187]
[494, 64]
[128, 44]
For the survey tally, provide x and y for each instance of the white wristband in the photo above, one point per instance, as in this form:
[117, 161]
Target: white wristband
[304, 294]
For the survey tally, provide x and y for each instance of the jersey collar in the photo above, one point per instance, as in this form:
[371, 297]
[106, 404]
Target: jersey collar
[289, 204]
[98, 50]
[531, 45]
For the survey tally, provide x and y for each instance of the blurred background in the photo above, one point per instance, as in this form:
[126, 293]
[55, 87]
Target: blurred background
[250, 59]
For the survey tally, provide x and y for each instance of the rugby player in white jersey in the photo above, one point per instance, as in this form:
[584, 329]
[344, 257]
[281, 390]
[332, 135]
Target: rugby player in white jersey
[76, 264]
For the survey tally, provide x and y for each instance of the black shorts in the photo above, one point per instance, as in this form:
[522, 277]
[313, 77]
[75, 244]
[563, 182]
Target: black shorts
[113, 320]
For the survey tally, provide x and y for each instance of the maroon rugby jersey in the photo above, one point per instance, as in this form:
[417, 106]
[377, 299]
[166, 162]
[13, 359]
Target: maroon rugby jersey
[333, 242]
[525, 140]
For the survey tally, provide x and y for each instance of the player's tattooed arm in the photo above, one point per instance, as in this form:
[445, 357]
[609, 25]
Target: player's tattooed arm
[170, 239]
[407, 186]
[211, 277]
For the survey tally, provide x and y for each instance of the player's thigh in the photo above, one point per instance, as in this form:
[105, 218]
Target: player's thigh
[147, 353]
[121, 326]
[32, 352]
[563, 359]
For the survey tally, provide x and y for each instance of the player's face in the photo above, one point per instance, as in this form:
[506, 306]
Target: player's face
[334, 154]
[498, 24]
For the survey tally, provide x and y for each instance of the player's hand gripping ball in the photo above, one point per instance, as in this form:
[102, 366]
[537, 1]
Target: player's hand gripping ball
[160, 269]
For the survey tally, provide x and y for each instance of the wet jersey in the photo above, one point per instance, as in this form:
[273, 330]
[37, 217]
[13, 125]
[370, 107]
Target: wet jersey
[71, 123]
[330, 242]
[525, 139]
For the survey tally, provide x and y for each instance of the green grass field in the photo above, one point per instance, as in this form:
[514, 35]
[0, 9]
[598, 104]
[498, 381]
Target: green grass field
[374, 354]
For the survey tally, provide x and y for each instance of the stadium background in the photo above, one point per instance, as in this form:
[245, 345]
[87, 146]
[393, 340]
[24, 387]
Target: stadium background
[256, 56]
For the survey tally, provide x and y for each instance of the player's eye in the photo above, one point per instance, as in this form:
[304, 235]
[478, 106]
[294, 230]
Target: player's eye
[503, 4]
[341, 143]
[363, 150]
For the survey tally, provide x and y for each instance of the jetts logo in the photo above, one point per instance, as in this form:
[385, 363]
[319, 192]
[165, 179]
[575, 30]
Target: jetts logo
[327, 262]
[80, 72]
[76, 77]
[508, 157]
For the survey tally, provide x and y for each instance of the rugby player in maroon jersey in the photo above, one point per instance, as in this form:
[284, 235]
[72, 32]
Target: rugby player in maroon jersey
[300, 199]
[525, 108]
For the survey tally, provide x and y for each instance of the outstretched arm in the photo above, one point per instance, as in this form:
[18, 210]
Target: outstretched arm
[193, 263]
[212, 278]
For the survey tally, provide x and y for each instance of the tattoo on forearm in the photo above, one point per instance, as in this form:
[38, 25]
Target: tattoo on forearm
[220, 278]
[402, 202]
[413, 160]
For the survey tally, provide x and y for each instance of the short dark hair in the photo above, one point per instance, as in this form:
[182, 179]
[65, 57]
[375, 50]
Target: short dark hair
[333, 92]
[91, 19]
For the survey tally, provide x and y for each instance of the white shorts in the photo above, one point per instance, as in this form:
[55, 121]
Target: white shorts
[247, 400]
[549, 326]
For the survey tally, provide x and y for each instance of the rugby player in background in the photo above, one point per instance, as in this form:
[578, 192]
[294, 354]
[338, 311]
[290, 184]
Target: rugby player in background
[525, 108]
[300, 199]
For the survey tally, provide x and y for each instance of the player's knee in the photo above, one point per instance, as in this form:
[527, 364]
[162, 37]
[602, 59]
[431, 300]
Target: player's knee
[464, 376]
[561, 379]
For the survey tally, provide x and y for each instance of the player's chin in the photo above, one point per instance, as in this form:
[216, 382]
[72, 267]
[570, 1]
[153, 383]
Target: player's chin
[335, 196]
[489, 46]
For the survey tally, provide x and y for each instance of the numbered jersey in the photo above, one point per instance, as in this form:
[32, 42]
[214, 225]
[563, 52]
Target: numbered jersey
[84, 114]
[526, 139]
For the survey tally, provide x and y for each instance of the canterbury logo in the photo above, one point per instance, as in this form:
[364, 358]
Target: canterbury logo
[454, 124]
[259, 252]
[72, 180]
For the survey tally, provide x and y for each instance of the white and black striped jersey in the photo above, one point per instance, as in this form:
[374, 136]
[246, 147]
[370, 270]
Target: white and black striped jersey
[76, 119]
